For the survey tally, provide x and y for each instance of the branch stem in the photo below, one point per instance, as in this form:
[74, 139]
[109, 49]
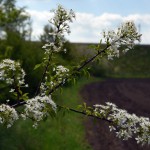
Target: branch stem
[44, 74]
[61, 83]
[80, 68]
[73, 110]
[83, 113]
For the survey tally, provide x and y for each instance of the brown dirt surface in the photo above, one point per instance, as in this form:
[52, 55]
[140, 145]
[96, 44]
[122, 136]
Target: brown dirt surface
[130, 94]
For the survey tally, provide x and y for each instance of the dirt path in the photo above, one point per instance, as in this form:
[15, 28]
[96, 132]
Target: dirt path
[130, 94]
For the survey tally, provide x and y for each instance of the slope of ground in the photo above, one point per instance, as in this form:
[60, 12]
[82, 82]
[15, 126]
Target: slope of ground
[130, 94]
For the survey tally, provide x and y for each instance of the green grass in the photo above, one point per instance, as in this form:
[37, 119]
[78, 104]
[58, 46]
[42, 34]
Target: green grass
[134, 64]
[65, 132]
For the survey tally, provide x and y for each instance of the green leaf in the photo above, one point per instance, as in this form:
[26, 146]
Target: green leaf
[15, 94]
[37, 66]
[84, 105]
[20, 92]
[25, 96]
[79, 107]
[88, 112]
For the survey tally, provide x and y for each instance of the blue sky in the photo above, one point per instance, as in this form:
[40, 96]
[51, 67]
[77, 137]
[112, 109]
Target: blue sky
[92, 16]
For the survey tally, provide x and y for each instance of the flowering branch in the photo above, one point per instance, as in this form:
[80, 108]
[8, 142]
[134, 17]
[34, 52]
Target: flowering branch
[44, 74]
[83, 113]
[126, 34]
[54, 76]
[125, 125]
[79, 69]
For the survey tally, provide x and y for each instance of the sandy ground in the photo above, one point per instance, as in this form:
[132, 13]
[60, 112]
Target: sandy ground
[130, 94]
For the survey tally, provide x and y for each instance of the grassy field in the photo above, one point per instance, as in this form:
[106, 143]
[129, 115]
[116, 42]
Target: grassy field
[134, 64]
[65, 132]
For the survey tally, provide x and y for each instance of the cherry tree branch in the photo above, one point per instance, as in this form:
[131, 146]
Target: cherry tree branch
[60, 84]
[80, 68]
[83, 113]
[44, 74]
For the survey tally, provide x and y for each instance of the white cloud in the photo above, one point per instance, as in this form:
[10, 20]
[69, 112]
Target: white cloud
[39, 19]
[88, 27]
[145, 19]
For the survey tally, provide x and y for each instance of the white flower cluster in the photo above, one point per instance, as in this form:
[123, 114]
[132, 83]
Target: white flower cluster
[61, 19]
[60, 26]
[124, 124]
[126, 35]
[51, 47]
[11, 72]
[61, 70]
[43, 88]
[38, 108]
[61, 73]
[8, 115]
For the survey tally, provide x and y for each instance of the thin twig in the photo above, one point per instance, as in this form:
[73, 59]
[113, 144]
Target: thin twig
[46, 68]
[60, 84]
[43, 76]
[18, 104]
[70, 109]
[80, 68]
[16, 87]
[83, 113]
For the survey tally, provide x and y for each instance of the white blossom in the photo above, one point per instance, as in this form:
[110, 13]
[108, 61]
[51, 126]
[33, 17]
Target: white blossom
[125, 35]
[8, 115]
[11, 72]
[61, 73]
[60, 70]
[12, 90]
[43, 88]
[60, 23]
[124, 124]
[38, 108]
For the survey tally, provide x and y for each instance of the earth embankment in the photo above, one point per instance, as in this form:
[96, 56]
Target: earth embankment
[130, 94]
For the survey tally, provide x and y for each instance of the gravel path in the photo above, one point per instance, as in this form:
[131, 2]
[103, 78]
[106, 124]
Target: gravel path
[130, 94]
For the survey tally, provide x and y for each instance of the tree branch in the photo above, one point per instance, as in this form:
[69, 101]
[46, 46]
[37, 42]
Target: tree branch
[80, 68]
[16, 87]
[70, 109]
[83, 113]
[43, 76]
[60, 84]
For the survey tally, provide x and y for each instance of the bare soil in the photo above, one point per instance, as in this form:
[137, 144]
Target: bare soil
[130, 94]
